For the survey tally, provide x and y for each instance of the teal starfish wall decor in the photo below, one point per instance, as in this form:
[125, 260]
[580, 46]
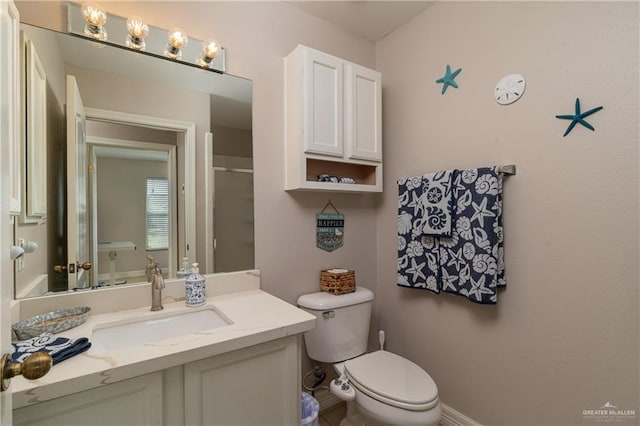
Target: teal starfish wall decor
[578, 117]
[449, 79]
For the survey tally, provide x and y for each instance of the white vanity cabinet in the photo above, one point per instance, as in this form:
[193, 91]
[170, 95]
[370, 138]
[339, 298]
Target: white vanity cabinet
[136, 401]
[257, 385]
[333, 122]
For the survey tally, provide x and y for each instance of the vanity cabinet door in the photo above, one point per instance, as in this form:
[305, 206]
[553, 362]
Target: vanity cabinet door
[259, 385]
[136, 401]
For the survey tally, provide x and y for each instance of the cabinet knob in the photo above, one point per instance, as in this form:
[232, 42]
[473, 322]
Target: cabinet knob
[35, 366]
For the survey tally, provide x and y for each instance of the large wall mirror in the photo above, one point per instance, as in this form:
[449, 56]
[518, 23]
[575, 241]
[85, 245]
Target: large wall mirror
[128, 155]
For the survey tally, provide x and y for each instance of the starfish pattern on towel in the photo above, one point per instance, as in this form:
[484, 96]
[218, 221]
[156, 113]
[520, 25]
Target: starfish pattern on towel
[481, 212]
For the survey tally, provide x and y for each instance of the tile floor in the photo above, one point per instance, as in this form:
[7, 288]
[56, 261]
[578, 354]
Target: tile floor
[333, 415]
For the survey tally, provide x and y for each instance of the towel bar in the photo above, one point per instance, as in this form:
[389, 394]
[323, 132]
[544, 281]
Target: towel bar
[508, 169]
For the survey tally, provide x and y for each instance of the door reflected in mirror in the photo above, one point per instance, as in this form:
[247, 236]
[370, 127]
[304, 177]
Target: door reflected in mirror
[139, 150]
[133, 203]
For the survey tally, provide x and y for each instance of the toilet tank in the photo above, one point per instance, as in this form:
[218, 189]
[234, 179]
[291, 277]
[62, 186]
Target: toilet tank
[342, 325]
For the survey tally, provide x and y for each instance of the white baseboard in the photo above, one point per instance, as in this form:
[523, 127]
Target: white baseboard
[451, 417]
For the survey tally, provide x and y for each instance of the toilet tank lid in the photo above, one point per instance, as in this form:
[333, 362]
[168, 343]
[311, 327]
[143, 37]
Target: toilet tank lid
[322, 300]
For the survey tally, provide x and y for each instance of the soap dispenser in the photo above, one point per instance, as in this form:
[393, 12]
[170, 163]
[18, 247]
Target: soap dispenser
[195, 287]
[185, 270]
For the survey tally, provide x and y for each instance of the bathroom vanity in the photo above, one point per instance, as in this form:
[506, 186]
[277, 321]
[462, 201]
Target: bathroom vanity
[245, 370]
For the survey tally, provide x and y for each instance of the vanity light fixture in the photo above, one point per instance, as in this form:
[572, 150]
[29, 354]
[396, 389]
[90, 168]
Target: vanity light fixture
[88, 20]
[138, 30]
[177, 40]
[96, 17]
[210, 49]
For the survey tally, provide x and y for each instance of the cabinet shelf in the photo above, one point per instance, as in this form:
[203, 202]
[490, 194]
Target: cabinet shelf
[365, 175]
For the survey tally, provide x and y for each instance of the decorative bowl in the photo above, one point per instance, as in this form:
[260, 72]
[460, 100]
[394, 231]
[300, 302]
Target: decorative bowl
[51, 322]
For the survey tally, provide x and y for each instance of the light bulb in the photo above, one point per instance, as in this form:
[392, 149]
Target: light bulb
[210, 49]
[96, 17]
[138, 30]
[177, 40]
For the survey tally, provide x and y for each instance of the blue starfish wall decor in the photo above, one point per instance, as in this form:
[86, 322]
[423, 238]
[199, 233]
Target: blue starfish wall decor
[449, 79]
[578, 117]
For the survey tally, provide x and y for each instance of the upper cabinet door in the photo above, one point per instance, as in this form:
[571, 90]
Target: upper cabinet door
[363, 127]
[323, 104]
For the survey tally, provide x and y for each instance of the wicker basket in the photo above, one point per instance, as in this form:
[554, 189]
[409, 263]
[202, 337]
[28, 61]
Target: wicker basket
[338, 282]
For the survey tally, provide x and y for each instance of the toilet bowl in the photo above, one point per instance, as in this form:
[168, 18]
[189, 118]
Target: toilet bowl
[390, 390]
[381, 388]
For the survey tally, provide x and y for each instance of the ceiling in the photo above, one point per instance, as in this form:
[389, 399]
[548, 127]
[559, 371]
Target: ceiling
[371, 20]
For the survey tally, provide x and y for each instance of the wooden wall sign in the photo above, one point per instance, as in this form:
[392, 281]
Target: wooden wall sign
[329, 229]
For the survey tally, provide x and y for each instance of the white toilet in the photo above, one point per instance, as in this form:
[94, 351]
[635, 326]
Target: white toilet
[380, 388]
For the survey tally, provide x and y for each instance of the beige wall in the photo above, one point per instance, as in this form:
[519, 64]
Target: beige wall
[563, 337]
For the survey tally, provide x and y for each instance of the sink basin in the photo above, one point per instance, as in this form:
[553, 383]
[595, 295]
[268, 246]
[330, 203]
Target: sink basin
[154, 329]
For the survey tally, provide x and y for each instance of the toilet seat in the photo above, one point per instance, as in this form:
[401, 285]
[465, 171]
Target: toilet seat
[393, 380]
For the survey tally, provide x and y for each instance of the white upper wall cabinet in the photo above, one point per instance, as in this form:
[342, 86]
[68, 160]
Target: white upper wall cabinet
[333, 123]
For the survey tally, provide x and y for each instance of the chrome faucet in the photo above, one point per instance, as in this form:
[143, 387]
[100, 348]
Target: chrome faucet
[157, 284]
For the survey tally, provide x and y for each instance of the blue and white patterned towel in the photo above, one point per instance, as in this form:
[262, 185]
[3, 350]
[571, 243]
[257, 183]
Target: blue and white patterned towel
[437, 202]
[418, 265]
[60, 348]
[472, 258]
[470, 261]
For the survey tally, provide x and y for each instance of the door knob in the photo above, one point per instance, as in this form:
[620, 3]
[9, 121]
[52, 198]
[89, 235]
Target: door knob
[72, 268]
[86, 265]
[35, 366]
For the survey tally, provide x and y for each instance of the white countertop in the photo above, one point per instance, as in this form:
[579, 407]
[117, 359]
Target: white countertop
[256, 317]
